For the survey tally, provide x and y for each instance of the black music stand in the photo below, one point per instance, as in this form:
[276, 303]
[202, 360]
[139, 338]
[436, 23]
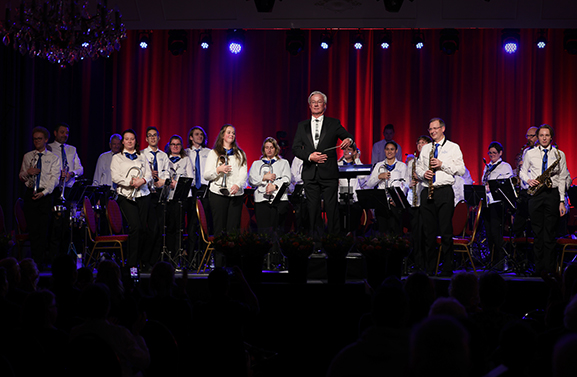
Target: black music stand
[474, 193]
[348, 172]
[181, 192]
[279, 194]
[398, 197]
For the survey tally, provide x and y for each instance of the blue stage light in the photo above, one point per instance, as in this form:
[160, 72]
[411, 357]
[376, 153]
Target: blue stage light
[235, 38]
[510, 40]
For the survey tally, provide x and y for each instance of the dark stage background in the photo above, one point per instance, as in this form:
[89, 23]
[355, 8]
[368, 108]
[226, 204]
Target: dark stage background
[481, 92]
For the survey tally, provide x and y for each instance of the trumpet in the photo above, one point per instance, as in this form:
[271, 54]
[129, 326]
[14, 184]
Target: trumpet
[223, 160]
[140, 174]
[152, 187]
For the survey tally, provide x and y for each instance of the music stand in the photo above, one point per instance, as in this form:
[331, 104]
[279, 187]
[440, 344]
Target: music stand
[372, 199]
[348, 172]
[474, 193]
[279, 194]
[504, 190]
[398, 197]
[181, 192]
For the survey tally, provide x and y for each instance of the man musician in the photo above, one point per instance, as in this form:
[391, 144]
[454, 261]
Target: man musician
[546, 204]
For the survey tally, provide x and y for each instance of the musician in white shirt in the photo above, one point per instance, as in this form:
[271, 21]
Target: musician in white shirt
[494, 213]
[351, 156]
[102, 175]
[386, 174]
[547, 205]
[267, 175]
[70, 162]
[179, 166]
[40, 171]
[441, 160]
[159, 168]
[132, 175]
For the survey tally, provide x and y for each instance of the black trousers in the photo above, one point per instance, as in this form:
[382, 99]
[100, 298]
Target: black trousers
[226, 216]
[175, 212]
[327, 189]
[136, 214]
[154, 225]
[270, 218]
[521, 215]
[544, 214]
[493, 216]
[389, 220]
[38, 214]
[437, 216]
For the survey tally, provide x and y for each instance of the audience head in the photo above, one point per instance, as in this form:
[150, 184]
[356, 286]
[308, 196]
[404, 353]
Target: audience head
[162, 278]
[29, 274]
[12, 271]
[85, 277]
[3, 282]
[420, 289]
[95, 302]
[492, 291]
[109, 275]
[64, 270]
[39, 309]
[218, 282]
[570, 315]
[564, 360]
[390, 304]
[465, 288]
[447, 306]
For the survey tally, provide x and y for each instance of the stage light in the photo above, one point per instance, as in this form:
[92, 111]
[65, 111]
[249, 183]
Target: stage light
[386, 40]
[177, 42]
[326, 40]
[510, 40]
[205, 39]
[418, 40]
[393, 6]
[541, 39]
[449, 42]
[264, 6]
[359, 41]
[295, 41]
[143, 39]
[570, 41]
[235, 39]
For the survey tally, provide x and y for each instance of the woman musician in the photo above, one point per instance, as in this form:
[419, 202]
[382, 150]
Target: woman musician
[267, 175]
[179, 166]
[131, 173]
[389, 173]
[351, 156]
[226, 170]
[494, 213]
[547, 204]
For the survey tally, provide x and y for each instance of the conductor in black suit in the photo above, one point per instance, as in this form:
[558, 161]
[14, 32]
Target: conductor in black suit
[320, 172]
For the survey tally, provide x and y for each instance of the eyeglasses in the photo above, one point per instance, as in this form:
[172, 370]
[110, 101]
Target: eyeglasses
[37, 138]
[152, 135]
[317, 102]
[434, 128]
[492, 153]
[175, 145]
[532, 135]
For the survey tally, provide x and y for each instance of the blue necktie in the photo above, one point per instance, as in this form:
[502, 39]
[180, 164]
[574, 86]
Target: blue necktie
[267, 162]
[229, 152]
[348, 163]
[197, 169]
[436, 154]
[39, 166]
[175, 159]
[545, 160]
[132, 156]
[390, 167]
[154, 161]
[64, 159]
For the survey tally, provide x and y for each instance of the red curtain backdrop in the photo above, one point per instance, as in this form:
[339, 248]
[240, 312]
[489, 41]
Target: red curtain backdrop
[481, 92]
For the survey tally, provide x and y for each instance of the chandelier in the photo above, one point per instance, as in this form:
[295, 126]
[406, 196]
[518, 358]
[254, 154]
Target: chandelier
[63, 31]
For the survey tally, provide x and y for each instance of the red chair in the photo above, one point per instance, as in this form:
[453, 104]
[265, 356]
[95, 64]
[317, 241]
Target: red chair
[461, 241]
[111, 242]
[21, 227]
[206, 238]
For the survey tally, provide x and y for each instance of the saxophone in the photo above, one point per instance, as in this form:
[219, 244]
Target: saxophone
[431, 156]
[545, 178]
[416, 183]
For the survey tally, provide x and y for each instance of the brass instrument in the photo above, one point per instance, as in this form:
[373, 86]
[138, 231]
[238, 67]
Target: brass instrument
[545, 178]
[32, 178]
[140, 174]
[268, 169]
[431, 156]
[413, 170]
[152, 187]
[223, 160]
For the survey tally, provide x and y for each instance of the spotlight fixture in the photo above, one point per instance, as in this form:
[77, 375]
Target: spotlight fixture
[177, 42]
[144, 39]
[205, 39]
[570, 41]
[449, 42]
[541, 41]
[393, 6]
[359, 41]
[264, 6]
[295, 41]
[386, 39]
[235, 39]
[510, 39]
[418, 40]
[326, 40]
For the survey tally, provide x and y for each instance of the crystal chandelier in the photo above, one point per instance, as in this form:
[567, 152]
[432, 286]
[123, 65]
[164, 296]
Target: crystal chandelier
[63, 31]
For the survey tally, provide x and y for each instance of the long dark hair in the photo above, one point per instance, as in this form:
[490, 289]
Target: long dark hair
[219, 145]
[203, 144]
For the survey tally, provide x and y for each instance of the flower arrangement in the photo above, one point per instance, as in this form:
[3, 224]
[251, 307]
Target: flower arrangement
[296, 245]
[227, 243]
[336, 245]
[374, 244]
[254, 244]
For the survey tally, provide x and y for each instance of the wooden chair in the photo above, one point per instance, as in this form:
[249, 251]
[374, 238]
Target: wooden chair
[111, 242]
[206, 238]
[568, 245]
[21, 235]
[461, 241]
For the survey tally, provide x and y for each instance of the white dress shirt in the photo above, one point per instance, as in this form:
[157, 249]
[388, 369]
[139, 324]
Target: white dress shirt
[357, 183]
[450, 155]
[501, 171]
[203, 152]
[397, 178]
[74, 165]
[378, 153]
[163, 165]
[49, 174]
[282, 171]
[296, 173]
[120, 167]
[237, 176]
[102, 174]
[181, 168]
[532, 166]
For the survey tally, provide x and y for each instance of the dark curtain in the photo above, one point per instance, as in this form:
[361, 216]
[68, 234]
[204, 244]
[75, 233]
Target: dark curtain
[482, 93]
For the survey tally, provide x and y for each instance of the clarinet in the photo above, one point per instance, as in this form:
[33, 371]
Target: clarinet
[412, 177]
[431, 156]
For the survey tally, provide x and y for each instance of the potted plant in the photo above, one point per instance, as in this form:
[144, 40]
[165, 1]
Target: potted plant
[383, 255]
[253, 248]
[337, 247]
[297, 248]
